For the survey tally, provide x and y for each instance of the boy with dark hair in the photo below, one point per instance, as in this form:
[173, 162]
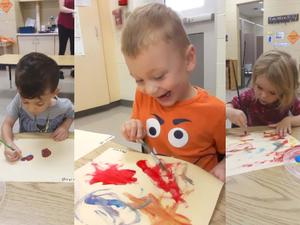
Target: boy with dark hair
[36, 105]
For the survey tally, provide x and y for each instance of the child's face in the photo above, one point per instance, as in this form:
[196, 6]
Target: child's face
[265, 91]
[38, 105]
[161, 72]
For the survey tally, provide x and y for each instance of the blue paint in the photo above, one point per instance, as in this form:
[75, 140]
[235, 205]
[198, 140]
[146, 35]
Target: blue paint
[261, 150]
[297, 158]
[97, 200]
[109, 207]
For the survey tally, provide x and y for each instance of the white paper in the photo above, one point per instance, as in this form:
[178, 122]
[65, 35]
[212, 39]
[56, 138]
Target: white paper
[261, 152]
[58, 167]
[83, 3]
[79, 47]
[199, 198]
[30, 22]
[86, 141]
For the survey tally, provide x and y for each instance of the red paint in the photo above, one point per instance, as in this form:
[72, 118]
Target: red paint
[27, 158]
[112, 175]
[278, 156]
[46, 152]
[167, 183]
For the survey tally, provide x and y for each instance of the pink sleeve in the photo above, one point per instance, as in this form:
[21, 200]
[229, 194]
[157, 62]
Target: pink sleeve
[246, 96]
[295, 109]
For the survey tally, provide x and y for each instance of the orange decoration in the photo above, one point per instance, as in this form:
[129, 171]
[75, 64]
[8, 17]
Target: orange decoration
[5, 5]
[293, 37]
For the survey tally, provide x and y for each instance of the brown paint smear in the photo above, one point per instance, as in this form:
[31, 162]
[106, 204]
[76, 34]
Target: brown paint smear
[158, 214]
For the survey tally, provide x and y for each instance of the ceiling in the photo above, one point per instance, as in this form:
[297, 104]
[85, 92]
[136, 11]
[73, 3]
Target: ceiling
[251, 10]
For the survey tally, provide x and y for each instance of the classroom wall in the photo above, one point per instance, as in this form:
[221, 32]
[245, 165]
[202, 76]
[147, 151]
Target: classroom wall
[10, 21]
[214, 45]
[109, 48]
[277, 8]
[125, 83]
[232, 28]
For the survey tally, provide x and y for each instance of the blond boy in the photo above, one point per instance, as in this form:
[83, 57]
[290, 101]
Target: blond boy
[172, 116]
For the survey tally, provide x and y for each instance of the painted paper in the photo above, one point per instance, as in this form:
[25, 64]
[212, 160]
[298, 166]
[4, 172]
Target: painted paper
[44, 160]
[184, 195]
[257, 150]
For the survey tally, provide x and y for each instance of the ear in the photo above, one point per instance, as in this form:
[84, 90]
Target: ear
[190, 55]
[56, 91]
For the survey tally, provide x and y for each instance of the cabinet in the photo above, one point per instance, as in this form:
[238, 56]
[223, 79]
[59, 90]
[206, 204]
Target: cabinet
[35, 43]
[44, 43]
[91, 87]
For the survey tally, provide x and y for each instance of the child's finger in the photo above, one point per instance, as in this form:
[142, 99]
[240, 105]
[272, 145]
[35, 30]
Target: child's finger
[140, 130]
[273, 125]
[11, 156]
[133, 131]
[289, 129]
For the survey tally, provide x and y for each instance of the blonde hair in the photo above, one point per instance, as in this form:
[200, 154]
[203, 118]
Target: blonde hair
[149, 24]
[281, 70]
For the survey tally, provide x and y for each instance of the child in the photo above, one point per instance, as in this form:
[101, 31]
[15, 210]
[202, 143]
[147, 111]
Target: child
[174, 117]
[271, 100]
[36, 105]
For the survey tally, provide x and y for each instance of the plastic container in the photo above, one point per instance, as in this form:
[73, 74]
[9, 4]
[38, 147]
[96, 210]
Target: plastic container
[290, 163]
[26, 30]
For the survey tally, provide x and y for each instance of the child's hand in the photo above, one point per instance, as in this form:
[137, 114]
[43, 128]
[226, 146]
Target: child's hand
[133, 130]
[237, 117]
[11, 155]
[60, 134]
[283, 127]
[219, 171]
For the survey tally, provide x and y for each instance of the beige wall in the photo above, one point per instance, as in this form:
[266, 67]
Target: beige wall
[232, 28]
[10, 21]
[109, 47]
[277, 8]
[220, 46]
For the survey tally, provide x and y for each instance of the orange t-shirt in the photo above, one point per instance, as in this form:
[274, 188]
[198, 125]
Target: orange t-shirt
[192, 130]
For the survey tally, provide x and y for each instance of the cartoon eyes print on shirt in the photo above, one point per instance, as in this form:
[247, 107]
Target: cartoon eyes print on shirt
[177, 136]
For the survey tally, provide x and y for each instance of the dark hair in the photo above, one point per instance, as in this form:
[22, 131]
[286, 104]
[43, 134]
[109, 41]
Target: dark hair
[36, 73]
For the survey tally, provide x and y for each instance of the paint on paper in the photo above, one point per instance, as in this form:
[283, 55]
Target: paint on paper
[257, 150]
[164, 180]
[112, 174]
[107, 207]
[27, 158]
[46, 152]
[156, 212]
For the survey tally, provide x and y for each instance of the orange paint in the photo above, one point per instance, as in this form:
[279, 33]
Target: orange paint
[157, 213]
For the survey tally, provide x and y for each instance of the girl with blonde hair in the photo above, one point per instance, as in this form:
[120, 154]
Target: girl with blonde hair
[272, 99]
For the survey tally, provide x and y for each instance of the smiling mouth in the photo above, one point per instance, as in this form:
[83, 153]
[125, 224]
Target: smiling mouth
[165, 95]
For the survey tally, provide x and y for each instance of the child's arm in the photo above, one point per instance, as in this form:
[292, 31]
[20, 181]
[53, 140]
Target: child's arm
[133, 130]
[236, 116]
[8, 137]
[62, 132]
[219, 170]
[286, 124]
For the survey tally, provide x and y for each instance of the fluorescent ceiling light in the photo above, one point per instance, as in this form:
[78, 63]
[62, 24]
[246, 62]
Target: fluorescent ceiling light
[179, 5]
